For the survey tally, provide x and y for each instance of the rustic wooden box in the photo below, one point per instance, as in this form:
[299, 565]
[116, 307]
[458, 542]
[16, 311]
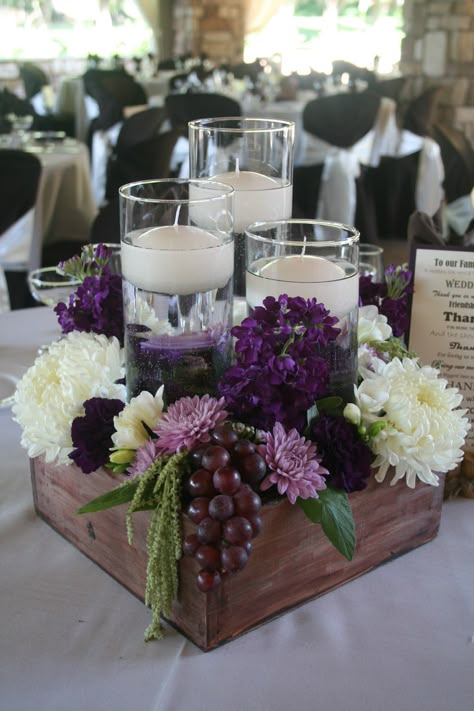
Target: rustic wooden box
[291, 563]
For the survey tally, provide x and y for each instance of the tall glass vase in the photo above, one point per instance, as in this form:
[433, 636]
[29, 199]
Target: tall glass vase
[255, 157]
[313, 260]
[177, 264]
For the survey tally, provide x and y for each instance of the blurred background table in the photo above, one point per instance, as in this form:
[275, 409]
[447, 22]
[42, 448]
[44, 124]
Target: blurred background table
[400, 638]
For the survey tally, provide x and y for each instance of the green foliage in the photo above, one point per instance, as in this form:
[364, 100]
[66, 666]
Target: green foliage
[333, 511]
[159, 490]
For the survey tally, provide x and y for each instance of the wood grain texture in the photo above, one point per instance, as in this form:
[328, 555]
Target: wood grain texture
[292, 560]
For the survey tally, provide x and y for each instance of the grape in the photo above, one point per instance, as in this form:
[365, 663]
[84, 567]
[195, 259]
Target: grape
[208, 557]
[198, 509]
[221, 507]
[252, 468]
[210, 530]
[234, 558]
[237, 530]
[256, 523]
[225, 436]
[224, 505]
[191, 544]
[247, 502]
[215, 457]
[248, 545]
[227, 480]
[243, 448]
[207, 581]
[196, 456]
[200, 483]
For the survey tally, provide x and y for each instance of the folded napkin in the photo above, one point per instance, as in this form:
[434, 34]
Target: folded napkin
[423, 229]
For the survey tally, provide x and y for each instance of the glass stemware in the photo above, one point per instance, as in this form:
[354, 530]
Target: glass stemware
[48, 286]
[371, 261]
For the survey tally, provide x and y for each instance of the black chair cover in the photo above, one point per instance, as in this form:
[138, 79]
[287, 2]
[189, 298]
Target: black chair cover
[182, 108]
[341, 119]
[113, 89]
[33, 77]
[147, 160]
[20, 174]
[458, 159]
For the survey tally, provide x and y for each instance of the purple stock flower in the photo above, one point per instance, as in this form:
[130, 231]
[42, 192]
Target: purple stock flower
[96, 307]
[391, 297]
[294, 466]
[343, 452]
[92, 433]
[280, 367]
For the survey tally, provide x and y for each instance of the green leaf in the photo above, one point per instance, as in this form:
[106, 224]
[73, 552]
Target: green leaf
[333, 511]
[115, 497]
[312, 508]
[337, 521]
[332, 405]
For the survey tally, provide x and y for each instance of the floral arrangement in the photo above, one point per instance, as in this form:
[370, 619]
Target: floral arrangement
[272, 430]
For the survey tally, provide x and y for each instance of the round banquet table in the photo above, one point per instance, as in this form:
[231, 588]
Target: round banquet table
[65, 196]
[400, 638]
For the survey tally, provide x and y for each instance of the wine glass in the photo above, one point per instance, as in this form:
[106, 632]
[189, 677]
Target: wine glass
[371, 261]
[48, 286]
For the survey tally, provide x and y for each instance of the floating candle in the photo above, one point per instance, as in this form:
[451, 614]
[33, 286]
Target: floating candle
[177, 259]
[306, 276]
[257, 197]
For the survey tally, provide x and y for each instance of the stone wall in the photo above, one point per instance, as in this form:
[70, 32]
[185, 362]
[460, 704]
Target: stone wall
[439, 50]
[212, 27]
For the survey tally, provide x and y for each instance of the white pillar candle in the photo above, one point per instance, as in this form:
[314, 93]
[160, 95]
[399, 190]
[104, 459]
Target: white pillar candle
[257, 197]
[306, 276]
[177, 259]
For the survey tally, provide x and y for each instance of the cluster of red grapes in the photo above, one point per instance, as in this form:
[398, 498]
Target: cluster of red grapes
[223, 504]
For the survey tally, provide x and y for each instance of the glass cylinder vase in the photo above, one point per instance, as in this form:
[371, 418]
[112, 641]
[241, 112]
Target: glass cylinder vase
[313, 260]
[255, 157]
[177, 266]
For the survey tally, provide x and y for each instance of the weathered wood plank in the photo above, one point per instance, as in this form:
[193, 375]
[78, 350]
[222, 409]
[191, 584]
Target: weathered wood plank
[292, 560]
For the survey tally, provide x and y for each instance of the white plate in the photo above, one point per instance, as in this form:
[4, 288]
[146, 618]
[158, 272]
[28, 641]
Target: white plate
[7, 389]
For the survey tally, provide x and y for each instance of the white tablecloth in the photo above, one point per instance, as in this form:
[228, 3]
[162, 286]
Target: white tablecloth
[400, 638]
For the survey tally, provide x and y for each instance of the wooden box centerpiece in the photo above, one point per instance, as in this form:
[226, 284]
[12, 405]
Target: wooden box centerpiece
[292, 560]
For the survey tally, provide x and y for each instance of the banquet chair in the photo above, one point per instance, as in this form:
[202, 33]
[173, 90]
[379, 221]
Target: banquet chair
[113, 90]
[421, 113]
[182, 108]
[330, 184]
[143, 160]
[457, 155]
[20, 174]
[33, 78]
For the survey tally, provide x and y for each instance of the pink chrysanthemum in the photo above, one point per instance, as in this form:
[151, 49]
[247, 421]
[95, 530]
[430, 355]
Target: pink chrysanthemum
[144, 458]
[294, 466]
[188, 422]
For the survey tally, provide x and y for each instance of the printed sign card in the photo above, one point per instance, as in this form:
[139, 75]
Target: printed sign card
[442, 319]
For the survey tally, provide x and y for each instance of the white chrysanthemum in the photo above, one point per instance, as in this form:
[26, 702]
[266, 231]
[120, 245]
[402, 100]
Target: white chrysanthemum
[424, 429]
[130, 431]
[145, 315]
[372, 326]
[52, 392]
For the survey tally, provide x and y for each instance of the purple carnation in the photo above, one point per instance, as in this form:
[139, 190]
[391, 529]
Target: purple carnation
[92, 433]
[281, 363]
[96, 307]
[343, 452]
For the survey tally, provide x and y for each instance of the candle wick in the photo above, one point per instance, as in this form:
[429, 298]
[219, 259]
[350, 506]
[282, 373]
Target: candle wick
[303, 249]
[176, 217]
[237, 166]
